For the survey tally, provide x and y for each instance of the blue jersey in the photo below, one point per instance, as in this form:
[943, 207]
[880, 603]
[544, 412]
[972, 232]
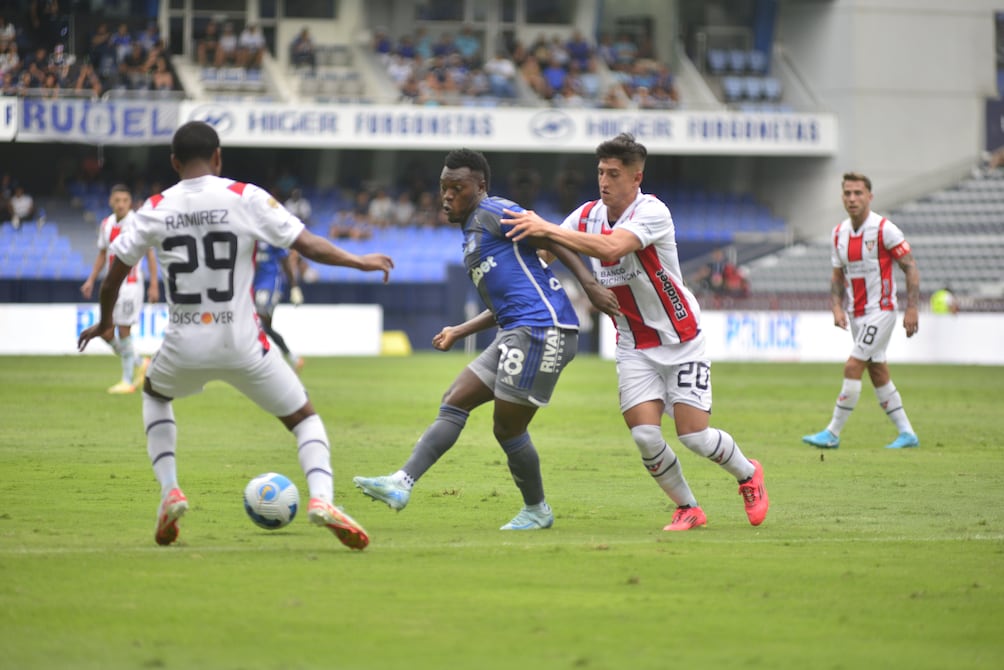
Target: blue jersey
[268, 275]
[511, 280]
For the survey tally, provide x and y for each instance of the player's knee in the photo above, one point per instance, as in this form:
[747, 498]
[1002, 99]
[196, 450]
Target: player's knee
[648, 439]
[703, 442]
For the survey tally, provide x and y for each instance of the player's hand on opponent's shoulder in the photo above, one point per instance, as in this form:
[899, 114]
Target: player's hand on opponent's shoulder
[296, 296]
[381, 262]
[525, 224]
[445, 338]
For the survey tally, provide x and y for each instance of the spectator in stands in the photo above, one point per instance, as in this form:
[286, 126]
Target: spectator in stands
[10, 60]
[382, 45]
[426, 211]
[400, 69]
[381, 209]
[579, 50]
[569, 97]
[250, 47]
[404, 211]
[301, 51]
[501, 73]
[423, 43]
[711, 276]
[149, 37]
[605, 49]
[100, 49]
[37, 63]
[299, 205]
[121, 42]
[554, 75]
[50, 85]
[353, 223]
[8, 33]
[406, 48]
[444, 46]
[226, 50]
[133, 70]
[22, 206]
[88, 81]
[468, 45]
[208, 44]
[568, 185]
[161, 78]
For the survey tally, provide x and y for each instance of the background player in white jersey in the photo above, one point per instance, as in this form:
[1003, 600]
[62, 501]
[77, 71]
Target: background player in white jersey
[537, 337]
[205, 229]
[274, 272]
[661, 364]
[864, 247]
[130, 302]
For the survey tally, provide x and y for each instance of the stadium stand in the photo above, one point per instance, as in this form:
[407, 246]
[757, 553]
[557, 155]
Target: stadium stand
[957, 236]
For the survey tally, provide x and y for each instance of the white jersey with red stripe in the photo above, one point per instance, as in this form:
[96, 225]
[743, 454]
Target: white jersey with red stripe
[659, 311]
[205, 232]
[110, 229]
[867, 256]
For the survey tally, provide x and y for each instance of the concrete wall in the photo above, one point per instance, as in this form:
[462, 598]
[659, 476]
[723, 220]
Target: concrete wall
[907, 80]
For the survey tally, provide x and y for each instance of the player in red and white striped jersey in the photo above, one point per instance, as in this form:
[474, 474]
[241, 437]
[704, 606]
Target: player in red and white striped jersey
[130, 302]
[863, 296]
[661, 363]
[205, 230]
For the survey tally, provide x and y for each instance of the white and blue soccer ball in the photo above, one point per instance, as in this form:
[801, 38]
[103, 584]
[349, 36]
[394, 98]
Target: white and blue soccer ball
[271, 500]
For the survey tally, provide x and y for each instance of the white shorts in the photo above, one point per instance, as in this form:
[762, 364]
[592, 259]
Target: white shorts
[129, 304]
[641, 379]
[871, 334]
[268, 381]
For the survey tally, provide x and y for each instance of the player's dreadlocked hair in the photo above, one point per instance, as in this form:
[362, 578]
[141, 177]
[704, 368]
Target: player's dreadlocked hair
[625, 148]
[194, 140]
[468, 158]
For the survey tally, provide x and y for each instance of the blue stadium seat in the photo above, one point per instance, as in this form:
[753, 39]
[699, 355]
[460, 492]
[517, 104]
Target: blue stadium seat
[737, 61]
[717, 61]
[732, 88]
[757, 62]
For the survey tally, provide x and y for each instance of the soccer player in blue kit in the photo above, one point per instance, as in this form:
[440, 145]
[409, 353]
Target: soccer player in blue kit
[537, 337]
[273, 271]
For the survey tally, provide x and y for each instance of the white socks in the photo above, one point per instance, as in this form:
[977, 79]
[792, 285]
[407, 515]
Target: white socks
[663, 465]
[846, 402]
[315, 457]
[892, 404]
[161, 441]
[720, 447]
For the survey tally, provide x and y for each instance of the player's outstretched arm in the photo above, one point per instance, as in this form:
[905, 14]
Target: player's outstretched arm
[608, 248]
[318, 249]
[107, 296]
[450, 334]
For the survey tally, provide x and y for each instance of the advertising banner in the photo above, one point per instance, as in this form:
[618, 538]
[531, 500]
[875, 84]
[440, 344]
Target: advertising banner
[97, 121]
[509, 129]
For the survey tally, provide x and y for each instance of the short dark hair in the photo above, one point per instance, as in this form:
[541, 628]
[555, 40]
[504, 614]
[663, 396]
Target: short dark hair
[121, 188]
[623, 147]
[468, 158]
[857, 176]
[193, 141]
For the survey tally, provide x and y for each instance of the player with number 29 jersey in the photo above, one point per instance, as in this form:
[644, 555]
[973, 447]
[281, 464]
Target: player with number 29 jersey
[207, 255]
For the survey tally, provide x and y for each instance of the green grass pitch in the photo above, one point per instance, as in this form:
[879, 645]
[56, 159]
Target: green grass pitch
[869, 558]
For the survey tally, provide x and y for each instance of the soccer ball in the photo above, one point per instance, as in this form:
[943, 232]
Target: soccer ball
[271, 500]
